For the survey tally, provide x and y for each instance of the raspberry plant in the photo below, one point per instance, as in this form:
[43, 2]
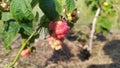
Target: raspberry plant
[59, 16]
[17, 17]
[104, 23]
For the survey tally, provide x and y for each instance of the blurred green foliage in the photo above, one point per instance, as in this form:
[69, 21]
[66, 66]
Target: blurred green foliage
[110, 13]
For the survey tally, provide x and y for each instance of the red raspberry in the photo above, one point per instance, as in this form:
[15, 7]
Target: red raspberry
[50, 40]
[25, 52]
[52, 25]
[61, 27]
[60, 36]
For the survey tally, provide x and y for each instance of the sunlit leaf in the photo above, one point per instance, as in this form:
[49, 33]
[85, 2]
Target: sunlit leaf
[21, 10]
[49, 8]
[10, 32]
[70, 5]
[58, 4]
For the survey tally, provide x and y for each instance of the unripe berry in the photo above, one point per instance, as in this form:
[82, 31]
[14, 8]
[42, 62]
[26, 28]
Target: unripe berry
[60, 36]
[54, 43]
[25, 52]
[58, 47]
[59, 42]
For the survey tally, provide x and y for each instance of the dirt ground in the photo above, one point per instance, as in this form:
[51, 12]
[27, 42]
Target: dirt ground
[106, 54]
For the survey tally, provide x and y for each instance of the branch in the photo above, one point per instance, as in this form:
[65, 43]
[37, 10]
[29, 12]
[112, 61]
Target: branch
[19, 52]
[93, 30]
[22, 47]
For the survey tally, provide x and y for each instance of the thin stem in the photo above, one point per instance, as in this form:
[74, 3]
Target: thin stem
[23, 46]
[93, 30]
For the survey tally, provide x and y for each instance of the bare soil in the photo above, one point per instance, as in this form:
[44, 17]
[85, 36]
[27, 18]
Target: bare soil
[106, 54]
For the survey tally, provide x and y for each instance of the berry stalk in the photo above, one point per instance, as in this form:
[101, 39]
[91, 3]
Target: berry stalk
[21, 49]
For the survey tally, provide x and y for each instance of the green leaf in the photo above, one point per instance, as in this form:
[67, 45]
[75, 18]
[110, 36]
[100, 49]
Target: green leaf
[112, 14]
[21, 10]
[37, 17]
[98, 29]
[105, 23]
[34, 3]
[6, 16]
[49, 8]
[8, 29]
[0, 15]
[26, 29]
[1, 28]
[58, 4]
[70, 5]
[44, 21]
[10, 32]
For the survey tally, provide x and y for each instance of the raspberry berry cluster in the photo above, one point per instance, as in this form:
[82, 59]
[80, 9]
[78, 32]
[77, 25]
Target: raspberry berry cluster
[59, 30]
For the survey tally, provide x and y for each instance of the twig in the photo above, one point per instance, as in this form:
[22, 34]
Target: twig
[22, 47]
[93, 30]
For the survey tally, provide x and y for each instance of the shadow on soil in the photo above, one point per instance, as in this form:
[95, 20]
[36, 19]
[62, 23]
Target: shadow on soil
[65, 55]
[61, 55]
[112, 49]
[84, 54]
